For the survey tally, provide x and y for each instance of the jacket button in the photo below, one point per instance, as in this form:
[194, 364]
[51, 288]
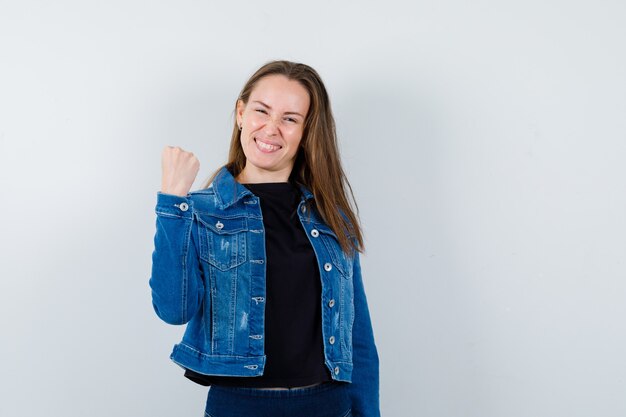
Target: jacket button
[328, 266]
[336, 370]
[219, 225]
[303, 209]
[183, 206]
[332, 340]
[315, 233]
[331, 303]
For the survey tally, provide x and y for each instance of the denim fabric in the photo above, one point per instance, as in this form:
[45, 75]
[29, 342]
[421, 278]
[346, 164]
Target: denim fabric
[324, 400]
[208, 271]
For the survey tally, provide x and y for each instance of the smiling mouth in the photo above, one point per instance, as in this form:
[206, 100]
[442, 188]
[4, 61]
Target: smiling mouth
[266, 147]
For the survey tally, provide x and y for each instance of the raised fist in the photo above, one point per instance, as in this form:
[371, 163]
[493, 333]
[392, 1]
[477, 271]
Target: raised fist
[179, 170]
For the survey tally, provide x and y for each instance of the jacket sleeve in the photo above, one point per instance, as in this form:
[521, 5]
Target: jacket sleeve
[176, 279]
[364, 389]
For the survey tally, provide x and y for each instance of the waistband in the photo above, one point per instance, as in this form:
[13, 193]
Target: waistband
[281, 393]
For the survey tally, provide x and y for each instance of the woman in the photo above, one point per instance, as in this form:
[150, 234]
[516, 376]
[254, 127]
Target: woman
[262, 264]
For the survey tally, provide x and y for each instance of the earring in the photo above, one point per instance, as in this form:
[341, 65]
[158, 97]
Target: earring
[239, 127]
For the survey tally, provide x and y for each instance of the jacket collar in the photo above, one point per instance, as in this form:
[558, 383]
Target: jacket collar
[228, 191]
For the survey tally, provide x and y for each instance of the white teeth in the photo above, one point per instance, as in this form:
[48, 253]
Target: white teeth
[267, 146]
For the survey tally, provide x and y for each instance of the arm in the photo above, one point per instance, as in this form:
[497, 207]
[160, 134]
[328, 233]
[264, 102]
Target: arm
[176, 282]
[364, 387]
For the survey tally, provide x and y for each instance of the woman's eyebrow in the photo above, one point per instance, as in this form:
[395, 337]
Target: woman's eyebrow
[287, 112]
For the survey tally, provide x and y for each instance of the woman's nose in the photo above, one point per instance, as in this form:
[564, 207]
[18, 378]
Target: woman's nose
[271, 127]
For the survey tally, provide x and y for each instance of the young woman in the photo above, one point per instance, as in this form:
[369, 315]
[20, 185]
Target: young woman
[262, 263]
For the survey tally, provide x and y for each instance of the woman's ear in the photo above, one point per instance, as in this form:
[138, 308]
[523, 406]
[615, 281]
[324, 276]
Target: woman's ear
[241, 106]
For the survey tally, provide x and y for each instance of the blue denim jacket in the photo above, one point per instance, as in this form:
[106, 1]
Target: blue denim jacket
[208, 270]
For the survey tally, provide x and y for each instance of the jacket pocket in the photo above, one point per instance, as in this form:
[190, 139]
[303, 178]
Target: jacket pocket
[223, 241]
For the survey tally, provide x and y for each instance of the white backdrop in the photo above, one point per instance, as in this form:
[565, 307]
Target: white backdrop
[485, 142]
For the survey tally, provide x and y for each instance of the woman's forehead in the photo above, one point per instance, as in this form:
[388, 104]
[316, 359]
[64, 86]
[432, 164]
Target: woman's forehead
[279, 91]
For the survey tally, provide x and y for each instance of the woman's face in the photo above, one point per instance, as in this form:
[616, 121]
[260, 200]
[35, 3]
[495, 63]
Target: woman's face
[272, 125]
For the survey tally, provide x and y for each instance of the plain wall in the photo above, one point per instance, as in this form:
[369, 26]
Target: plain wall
[485, 142]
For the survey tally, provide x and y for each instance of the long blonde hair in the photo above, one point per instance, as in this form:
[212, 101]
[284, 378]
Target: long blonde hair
[317, 165]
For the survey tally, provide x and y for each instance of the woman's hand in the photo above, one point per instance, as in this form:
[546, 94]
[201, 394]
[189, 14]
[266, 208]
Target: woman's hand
[179, 170]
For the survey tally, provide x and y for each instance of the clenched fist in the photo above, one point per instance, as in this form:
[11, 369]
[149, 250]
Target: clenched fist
[179, 170]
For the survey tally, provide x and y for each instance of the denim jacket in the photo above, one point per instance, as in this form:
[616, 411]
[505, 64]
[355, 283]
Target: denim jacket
[208, 271]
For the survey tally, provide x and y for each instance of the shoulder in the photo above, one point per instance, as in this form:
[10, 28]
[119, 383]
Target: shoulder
[202, 200]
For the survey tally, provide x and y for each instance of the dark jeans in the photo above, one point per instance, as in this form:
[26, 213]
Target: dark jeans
[329, 399]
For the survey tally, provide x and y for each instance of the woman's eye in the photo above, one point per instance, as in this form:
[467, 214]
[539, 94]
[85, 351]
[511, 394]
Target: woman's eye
[260, 110]
[289, 119]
